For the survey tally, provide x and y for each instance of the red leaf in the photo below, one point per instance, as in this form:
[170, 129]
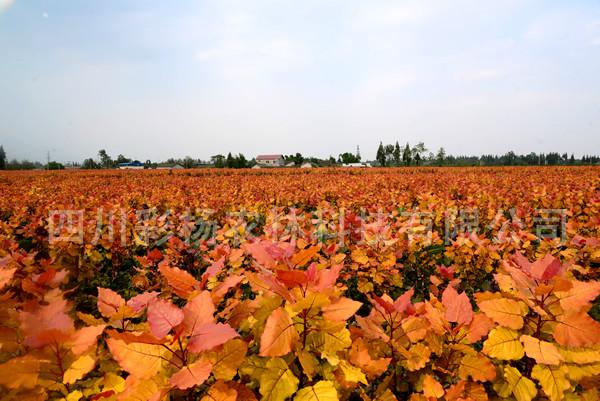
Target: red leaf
[210, 335]
[45, 324]
[403, 303]
[198, 311]
[141, 301]
[163, 316]
[546, 268]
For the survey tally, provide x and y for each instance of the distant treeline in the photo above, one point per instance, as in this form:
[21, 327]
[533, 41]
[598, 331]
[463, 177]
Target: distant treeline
[387, 156]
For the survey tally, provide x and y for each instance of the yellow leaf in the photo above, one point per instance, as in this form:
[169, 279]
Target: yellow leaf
[279, 334]
[431, 387]
[521, 387]
[352, 373]
[577, 372]
[506, 312]
[359, 256]
[503, 343]
[227, 360]
[141, 360]
[309, 363]
[322, 391]
[542, 351]
[553, 381]
[416, 357]
[74, 396]
[581, 356]
[79, 368]
[277, 382]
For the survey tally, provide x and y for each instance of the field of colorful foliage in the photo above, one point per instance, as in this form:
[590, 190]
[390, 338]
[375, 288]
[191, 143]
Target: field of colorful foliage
[323, 284]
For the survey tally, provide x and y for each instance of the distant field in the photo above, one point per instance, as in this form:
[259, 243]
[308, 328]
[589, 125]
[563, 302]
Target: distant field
[374, 284]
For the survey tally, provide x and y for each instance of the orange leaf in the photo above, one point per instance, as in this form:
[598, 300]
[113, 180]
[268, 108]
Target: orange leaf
[191, 375]
[506, 312]
[182, 282]
[109, 302]
[458, 306]
[85, 338]
[279, 334]
[577, 330]
[21, 372]
[341, 310]
[305, 255]
[478, 367]
[431, 387]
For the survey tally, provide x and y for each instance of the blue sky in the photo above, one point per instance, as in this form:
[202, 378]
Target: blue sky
[158, 79]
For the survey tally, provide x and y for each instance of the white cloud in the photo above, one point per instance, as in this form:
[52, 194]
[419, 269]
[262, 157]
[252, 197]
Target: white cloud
[378, 85]
[392, 13]
[5, 4]
[238, 59]
[482, 74]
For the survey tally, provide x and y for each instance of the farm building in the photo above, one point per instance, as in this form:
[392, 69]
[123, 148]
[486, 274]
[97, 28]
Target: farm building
[270, 160]
[134, 165]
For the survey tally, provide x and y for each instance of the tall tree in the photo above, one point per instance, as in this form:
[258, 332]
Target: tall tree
[418, 150]
[218, 161]
[241, 161]
[105, 159]
[406, 155]
[389, 154]
[229, 163]
[381, 155]
[441, 156]
[2, 158]
[397, 154]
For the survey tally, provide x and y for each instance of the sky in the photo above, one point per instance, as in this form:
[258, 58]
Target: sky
[159, 79]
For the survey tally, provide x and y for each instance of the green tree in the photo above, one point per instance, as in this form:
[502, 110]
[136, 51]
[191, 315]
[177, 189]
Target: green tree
[122, 159]
[380, 155]
[397, 154]
[55, 166]
[218, 161]
[229, 162]
[389, 154]
[418, 150]
[89, 164]
[2, 158]
[441, 156]
[241, 161]
[188, 162]
[105, 160]
[406, 155]
[348, 157]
